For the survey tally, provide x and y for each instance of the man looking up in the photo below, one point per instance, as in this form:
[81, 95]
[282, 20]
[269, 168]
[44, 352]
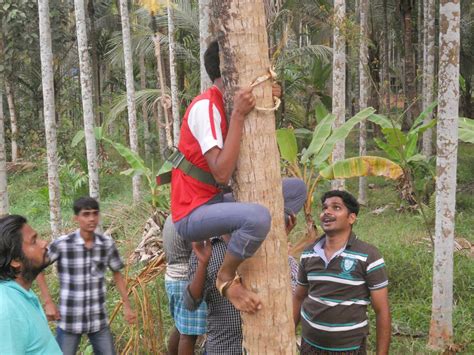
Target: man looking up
[201, 210]
[23, 325]
[339, 276]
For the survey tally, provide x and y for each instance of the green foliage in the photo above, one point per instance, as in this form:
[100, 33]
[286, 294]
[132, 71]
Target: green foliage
[362, 166]
[466, 130]
[73, 183]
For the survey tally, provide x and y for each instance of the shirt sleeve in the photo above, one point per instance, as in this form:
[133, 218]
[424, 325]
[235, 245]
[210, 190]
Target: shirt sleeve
[189, 302]
[53, 251]
[204, 121]
[302, 275]
[115, 261]
[376, 273]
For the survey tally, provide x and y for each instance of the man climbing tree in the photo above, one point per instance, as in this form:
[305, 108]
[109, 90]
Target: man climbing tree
[243, 39]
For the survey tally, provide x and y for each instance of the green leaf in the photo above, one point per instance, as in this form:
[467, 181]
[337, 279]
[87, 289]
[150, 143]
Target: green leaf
[320, 111]
[423, 115]
[382, 121]
[392, 153]
[410, 148]
[422, 128]
[98, 133]
[77, 138]
[362, 166]
[303, 133]
[339, 134]
[466, 130]
[416, 157]
[320, 135]
[286, 140]
[395, 137]
[132, 158]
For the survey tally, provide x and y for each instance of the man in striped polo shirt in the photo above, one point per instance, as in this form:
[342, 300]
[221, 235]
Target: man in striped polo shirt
[339, 276]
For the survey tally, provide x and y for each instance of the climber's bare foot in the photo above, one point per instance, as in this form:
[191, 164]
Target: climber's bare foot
[242, 299]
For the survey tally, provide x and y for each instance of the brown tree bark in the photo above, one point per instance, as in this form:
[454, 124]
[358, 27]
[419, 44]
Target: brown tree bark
[412, 107]
[244, 57]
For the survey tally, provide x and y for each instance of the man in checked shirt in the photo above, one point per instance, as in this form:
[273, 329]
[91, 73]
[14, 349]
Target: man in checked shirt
[82, 259]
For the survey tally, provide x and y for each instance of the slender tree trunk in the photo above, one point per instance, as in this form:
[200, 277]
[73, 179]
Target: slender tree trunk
[13, 120]
[204, 36]
[364, 85]
[87, 97]
[94, 60]
[386, 61]
[339, 81]
[441, 329]
[129, 80]
[244, 53]
[46, 52]
[4, 205]
[173, 78]
[410, 72]
[160, 126]
[428, 70]
[161, 80]
[146, 124]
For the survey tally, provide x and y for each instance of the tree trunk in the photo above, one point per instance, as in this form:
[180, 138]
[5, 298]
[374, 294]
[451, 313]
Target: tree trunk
[13, 120]
[46, 52]
[4, 205]
[339, 82]
[386, 61]
[161, 80]
[173, 78]
[94, 60]
[129, 81]
[244, 57]
[87, 104]
[364, 85]
[204, 36]
[411, 106]
[428, 70]
[146, 123]
[441, 329]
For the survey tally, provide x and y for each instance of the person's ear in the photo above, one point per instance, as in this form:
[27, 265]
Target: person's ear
[15, 263]
[352, 218]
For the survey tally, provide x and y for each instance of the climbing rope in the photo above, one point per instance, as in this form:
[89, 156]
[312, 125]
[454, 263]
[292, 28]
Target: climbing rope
[270, 75]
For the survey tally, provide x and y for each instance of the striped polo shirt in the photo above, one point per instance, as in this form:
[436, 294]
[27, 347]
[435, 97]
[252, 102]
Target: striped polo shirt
[334, 314]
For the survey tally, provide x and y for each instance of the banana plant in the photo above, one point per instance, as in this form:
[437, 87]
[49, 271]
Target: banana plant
[314, 162]
[136, 166]
[403, 149]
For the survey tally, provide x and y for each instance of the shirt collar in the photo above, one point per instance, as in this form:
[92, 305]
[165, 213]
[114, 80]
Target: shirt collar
[80, 240]
[29, 294]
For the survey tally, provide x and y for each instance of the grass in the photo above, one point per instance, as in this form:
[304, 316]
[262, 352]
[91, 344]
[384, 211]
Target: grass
[400, 237]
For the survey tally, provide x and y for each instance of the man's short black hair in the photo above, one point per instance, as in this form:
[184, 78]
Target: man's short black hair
[11, 244]
[349, 201]
[85, 203]
[212, 61]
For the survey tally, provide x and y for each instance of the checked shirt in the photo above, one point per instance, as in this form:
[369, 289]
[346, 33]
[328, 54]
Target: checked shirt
[82, 280]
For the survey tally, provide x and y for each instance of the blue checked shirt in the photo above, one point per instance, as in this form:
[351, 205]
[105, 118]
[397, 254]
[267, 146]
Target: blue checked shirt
[82, 280]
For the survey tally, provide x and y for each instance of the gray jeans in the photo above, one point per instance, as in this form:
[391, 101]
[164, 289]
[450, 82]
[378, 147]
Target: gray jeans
[102, 342]
[247, 223]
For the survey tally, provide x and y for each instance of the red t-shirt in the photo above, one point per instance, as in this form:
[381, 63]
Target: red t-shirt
[204, 127]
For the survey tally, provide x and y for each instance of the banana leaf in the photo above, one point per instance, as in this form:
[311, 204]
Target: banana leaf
[136, 163]
[320, 135]
[422, 115]
[340, 133]
[382, 121]
[286, 140]
[362, 166]
[392, 153]
[466, 130]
